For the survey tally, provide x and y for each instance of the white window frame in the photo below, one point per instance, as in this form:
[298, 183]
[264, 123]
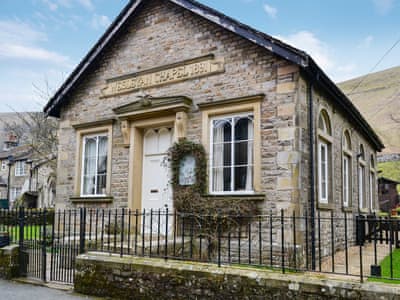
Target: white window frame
[346, 180]
[361, 186]
[325, 171]
[20, 168]
[219, 117]
[3, 165]
[84, 137]
[371, 190]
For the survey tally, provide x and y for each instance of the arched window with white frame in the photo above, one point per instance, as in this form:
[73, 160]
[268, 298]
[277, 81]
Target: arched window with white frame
[324, 158]
[347, 170]
[232, 154]
[372, 183]
[362, 201]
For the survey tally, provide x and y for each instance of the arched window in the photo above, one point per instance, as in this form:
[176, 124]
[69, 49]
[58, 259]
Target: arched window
[372, 183]
[361, 179]
[232, 154]
[324, 158]
[346, 169]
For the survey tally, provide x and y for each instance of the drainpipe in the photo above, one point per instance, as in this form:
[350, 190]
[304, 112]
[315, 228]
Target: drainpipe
[10, 163]
[312, 172]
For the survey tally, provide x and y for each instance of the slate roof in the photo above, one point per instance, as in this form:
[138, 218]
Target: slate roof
[299, 57]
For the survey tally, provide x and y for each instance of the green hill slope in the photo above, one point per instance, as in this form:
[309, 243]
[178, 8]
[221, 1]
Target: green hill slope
[378, 99]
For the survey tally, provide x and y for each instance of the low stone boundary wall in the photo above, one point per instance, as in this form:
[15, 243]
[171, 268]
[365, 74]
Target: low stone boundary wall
[105, 275]
[9, 267]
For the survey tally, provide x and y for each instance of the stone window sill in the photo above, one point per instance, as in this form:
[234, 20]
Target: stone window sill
[325, 206]
[100, 199]
[347, 209]
[250, 197]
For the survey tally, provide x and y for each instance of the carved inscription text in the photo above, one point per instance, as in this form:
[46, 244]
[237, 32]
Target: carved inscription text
[168, 75]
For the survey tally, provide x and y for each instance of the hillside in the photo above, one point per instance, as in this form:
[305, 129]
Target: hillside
[391, 170]
[378, 99]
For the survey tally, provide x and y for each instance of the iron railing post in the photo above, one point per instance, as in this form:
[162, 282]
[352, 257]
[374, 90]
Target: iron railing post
[82, 230]
[44, 241]
[21, 225]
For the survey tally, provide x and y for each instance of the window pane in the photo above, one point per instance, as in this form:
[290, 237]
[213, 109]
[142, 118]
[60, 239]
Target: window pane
[101, 184]
[221, 179]
[88, 185]
[361, 186]
[102, 160]
[243, 153]
[243, 179]
[89, 168]
[323, 172]
[222, 155]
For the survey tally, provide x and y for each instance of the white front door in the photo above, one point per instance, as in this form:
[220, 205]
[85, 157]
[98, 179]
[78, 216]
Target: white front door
[156, 189]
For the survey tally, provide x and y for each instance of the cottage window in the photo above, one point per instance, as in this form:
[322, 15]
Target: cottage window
[232, 154]
[94, 165]
[20, 168]
[324, 158]
[347, 174]
[361, 179]
[15, 193]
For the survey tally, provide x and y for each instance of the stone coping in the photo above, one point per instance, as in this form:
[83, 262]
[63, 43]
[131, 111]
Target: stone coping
[311, 282]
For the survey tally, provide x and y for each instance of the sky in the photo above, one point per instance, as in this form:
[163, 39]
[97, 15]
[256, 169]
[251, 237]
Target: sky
[41, 41]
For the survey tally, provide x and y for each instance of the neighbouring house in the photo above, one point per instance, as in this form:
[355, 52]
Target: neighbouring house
[388, 194]
[277, 131]
[26, 176]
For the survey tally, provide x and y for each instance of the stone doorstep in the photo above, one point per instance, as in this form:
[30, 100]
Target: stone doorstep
[331, 281]
[8, 250]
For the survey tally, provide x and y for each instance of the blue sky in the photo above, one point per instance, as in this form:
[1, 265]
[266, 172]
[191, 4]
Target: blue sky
[41, 41]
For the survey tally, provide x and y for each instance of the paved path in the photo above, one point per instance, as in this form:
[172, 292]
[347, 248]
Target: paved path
[10, 290]
[353, 255]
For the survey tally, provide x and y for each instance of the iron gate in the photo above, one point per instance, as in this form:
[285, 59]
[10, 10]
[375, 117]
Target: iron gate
[49, 242]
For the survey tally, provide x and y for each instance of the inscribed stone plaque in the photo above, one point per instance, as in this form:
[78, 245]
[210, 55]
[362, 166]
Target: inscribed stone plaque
[187, 170]
[146, 79]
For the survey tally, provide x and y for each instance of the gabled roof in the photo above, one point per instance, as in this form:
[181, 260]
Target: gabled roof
[388, 180]
[301, 58]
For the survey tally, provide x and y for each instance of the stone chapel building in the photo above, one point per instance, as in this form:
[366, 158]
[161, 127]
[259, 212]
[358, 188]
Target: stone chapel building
[275, 128]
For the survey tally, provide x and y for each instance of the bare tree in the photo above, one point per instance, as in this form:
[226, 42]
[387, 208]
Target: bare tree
[36, 130]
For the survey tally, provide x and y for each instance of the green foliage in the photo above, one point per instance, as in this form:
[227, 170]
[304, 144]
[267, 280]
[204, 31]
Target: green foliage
[385, 267]
[181, 149]
[390, 170]
[192, 198]
[208, 214]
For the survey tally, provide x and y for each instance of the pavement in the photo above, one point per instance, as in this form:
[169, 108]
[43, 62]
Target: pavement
[10, 290]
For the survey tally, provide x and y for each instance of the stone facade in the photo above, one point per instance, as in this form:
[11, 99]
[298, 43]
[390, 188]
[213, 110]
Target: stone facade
[180, 34]
[163, 33]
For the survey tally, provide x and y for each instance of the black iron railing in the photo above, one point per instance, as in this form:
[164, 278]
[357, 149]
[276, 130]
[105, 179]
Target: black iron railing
[348, 244]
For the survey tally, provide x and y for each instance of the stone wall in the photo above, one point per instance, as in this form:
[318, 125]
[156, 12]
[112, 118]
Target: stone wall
[9, 266]
[389, 157]
[138, 278]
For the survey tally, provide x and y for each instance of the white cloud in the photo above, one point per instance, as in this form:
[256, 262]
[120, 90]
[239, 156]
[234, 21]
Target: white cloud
[366, 42]
[51, 4]
[87, 4]
[100, 21]
[55, 4]
[270, 10]
[30, 53]
[307, 41]
[383, 6]
[323, 54]
[20, 41]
